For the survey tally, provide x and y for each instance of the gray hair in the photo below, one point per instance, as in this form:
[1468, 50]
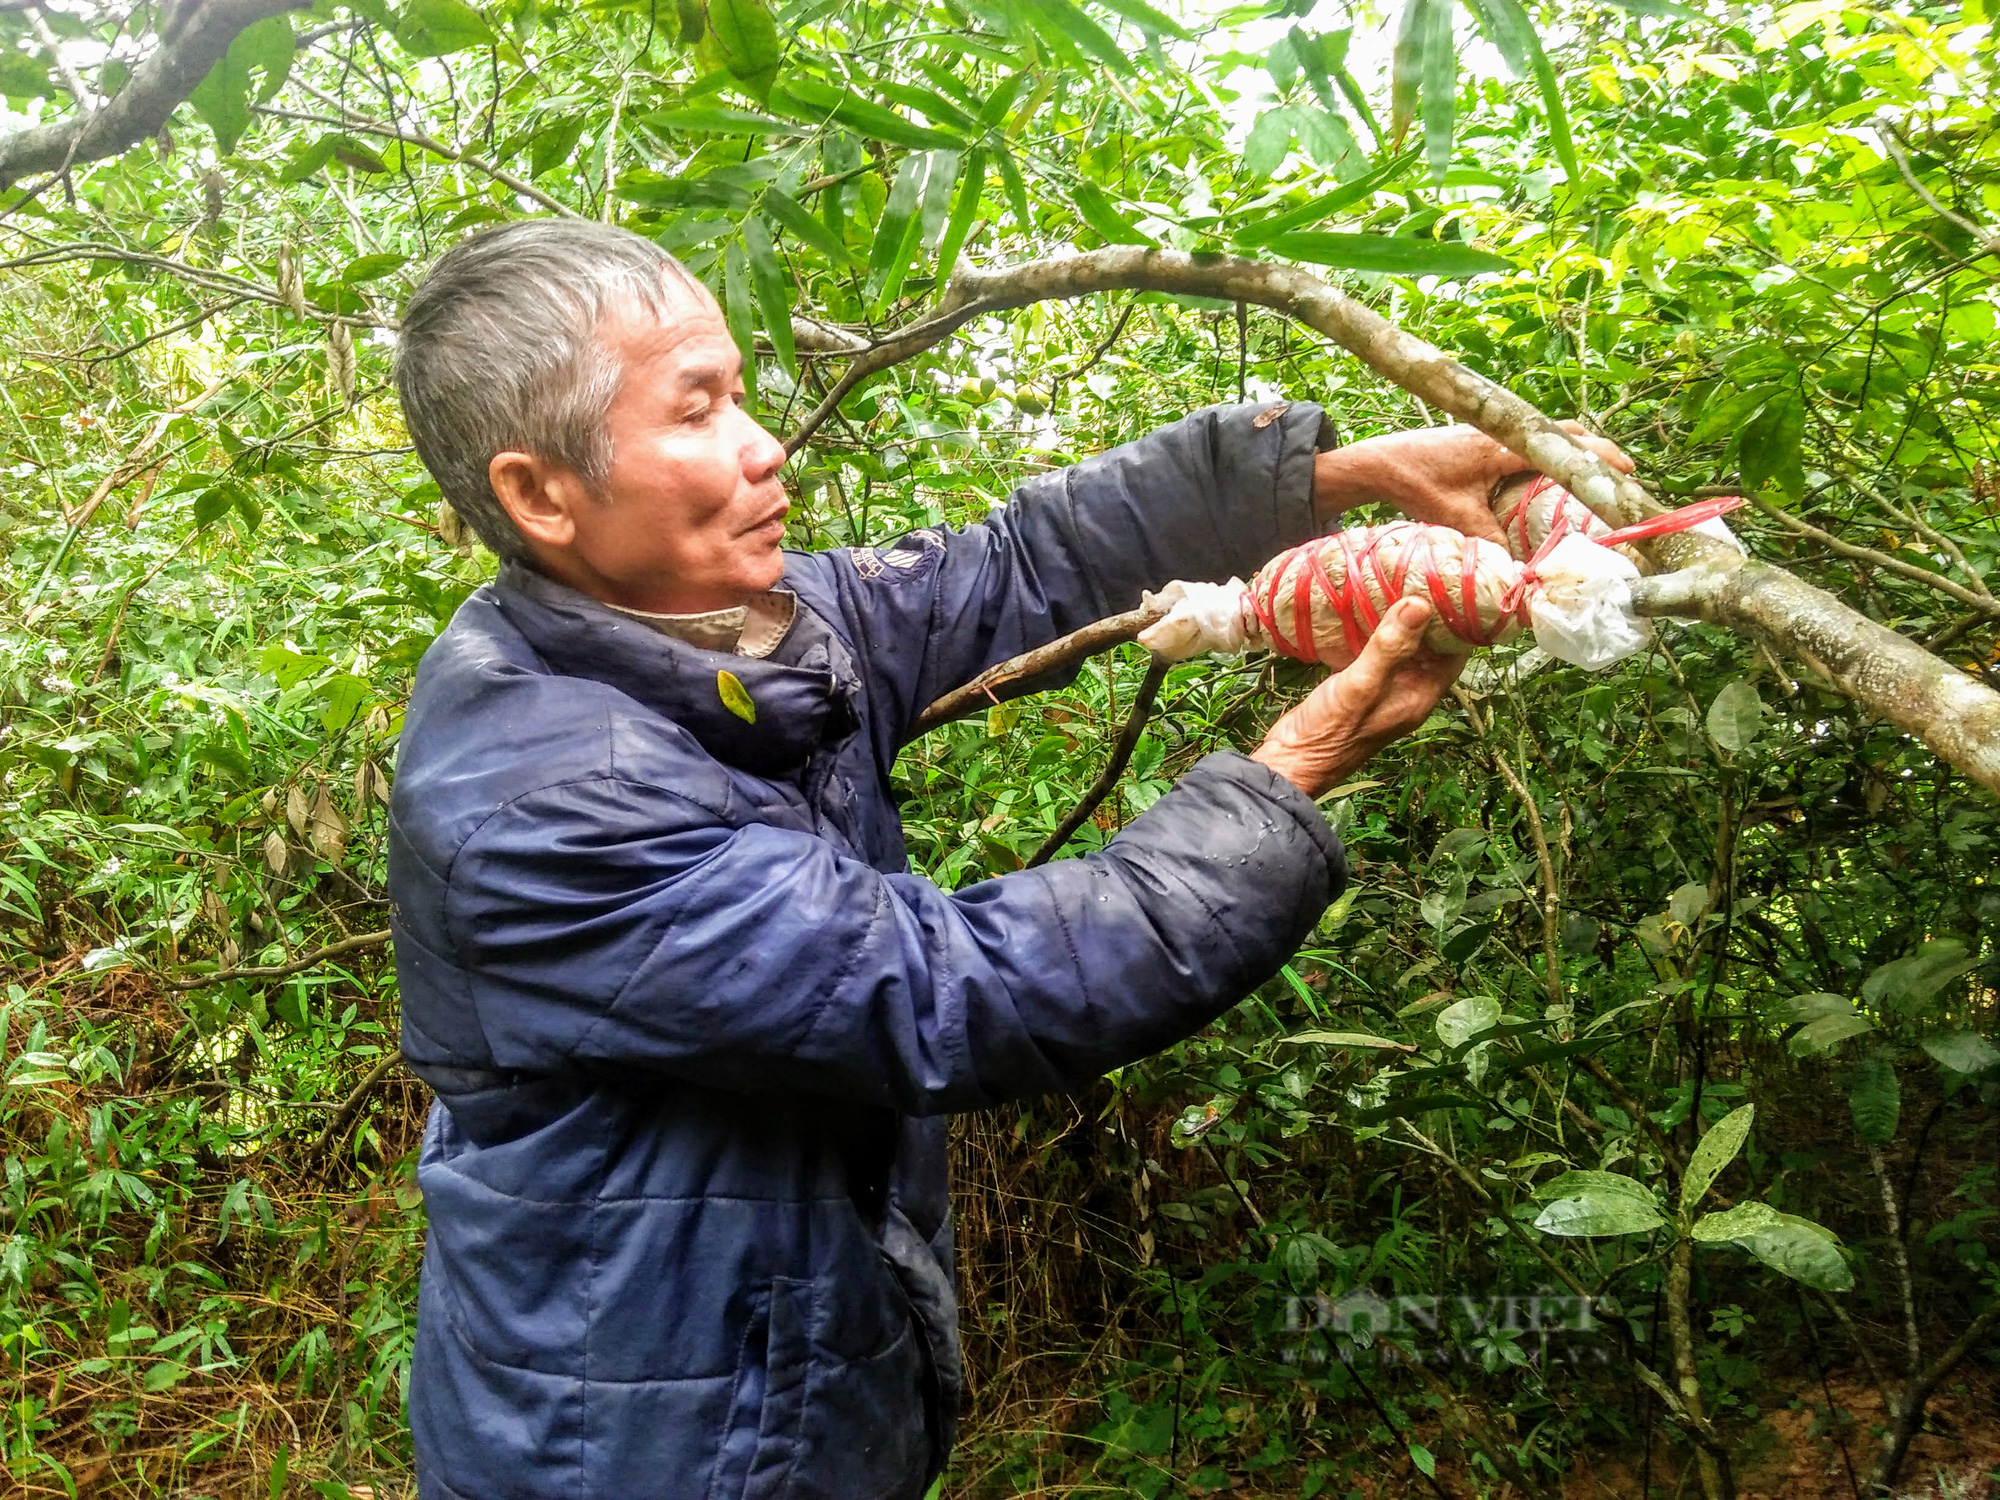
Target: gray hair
[499, 351]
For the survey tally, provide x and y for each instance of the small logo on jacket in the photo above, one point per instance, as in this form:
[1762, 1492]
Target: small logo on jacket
[905, 555]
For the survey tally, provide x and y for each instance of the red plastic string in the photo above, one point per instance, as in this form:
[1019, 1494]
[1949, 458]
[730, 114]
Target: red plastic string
[1355, 609]
[1685, 519]
[1351, 602]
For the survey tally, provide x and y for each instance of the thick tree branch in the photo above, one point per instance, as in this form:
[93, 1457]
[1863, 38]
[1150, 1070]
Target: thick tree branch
[192, 41]
[1886, 673]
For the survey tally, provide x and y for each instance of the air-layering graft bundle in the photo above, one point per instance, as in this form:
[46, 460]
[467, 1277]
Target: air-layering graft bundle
[1571, 583]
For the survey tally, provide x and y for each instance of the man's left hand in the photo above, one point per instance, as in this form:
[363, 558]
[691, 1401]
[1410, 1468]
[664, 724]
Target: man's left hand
[1443, 475]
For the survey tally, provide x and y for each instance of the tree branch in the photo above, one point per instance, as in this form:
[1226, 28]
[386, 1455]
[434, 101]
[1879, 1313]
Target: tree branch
[279, 971]
[1984, 603]
[1958, 717]
[1121, 756]
[1065, 652]
[192, 41]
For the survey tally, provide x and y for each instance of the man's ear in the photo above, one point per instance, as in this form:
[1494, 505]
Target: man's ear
[542, 497]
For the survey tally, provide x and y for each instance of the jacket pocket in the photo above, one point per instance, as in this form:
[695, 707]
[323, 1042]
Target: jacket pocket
[934, 1310]
[761, 1443]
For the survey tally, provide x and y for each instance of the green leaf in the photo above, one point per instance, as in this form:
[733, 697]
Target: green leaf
[1507, 27]
[1380, 252]
[964, 209]
[927, 102]
[1828, 1032]
[1406, 66]
[773, 291]
[1768, 450]
[222, 100]
[747, 37]
[713, 119]
[554, 143]
[936, 204]
[1060, 19]
[1552, 107]
[372, 268]
[164, 1376]
[735, 697]
[431, 28]
[266, 48]
[22, 77]
[791, 215]
[1146, 18]
[1263, 231]
[1343, 1039]
[1461, 1021]
[1269, 141]
[1797, 1247]
[1715, 1150]
[1734, 716]
[1101, 214]
[1440, 89]
[994, 110]
[1421, 1457]
[1962, 1051]
[1590, 1204]
[806, 98]
[736, 307]
[1017, 192]
[893, 231]
[351, 153]
[212, 504]
[308, 161]
[1875, 1099]
[1916, 978]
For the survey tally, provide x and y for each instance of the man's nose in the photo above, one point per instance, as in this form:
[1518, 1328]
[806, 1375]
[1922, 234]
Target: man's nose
[763, 455]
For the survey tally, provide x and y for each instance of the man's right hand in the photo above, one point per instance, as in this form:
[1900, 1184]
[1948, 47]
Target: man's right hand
[1388, 690]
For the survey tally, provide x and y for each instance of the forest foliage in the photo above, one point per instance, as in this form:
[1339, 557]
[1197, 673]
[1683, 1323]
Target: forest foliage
[1642, 1087]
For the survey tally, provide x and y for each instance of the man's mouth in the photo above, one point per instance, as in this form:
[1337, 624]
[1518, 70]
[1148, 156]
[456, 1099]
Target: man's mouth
[775, 518]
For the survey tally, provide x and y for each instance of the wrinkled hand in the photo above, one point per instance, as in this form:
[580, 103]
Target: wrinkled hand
[1443, 475]
[1387, 691]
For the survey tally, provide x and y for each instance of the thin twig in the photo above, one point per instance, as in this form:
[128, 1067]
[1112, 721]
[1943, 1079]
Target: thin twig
[1059, 654]
[1121, 755]
[279, 971]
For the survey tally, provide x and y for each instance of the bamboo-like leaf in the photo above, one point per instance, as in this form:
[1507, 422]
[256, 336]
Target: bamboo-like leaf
[1060, 19]
[713, 119]
[1380, 252]
[1406, 67]
[892, 233]
[736, 307]
[1146, 18]
[747, 36]
[791, 216]
[1102, 215]
[1017, 191]
[964, 208]
[1326, 205]
[1507, 27]
[1440, 88]
[773, 293]
[1552, 106]
[804, 97]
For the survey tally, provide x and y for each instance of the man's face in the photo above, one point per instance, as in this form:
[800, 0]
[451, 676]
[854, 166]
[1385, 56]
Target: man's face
[692, 514]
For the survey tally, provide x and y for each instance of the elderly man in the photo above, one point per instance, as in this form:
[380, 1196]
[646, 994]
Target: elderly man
[692, 1025]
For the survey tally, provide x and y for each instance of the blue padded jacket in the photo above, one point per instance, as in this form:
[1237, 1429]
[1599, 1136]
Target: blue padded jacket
[694, 1028]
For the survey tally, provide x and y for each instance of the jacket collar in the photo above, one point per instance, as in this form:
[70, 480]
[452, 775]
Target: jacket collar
[802, 694]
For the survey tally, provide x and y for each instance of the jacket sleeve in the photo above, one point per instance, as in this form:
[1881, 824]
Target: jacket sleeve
[613, 924]
[1212, 496]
